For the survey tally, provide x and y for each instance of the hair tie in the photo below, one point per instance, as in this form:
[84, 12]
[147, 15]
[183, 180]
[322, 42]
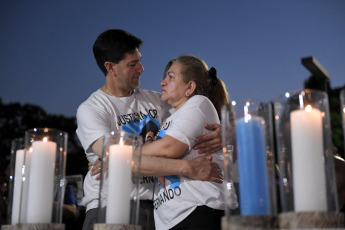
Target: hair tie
[213, 76]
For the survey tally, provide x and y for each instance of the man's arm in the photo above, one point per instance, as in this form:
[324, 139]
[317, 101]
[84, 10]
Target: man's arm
[97, 147]
[201, 168]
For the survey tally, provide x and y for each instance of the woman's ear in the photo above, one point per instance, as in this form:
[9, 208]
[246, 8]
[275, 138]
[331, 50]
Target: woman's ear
[191, 86]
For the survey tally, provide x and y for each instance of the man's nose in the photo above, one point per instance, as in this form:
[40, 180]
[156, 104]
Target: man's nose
[140, 68]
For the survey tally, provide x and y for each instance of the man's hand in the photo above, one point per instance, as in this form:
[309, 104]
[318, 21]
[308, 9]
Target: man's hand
[212, 142]
[202, 168]
[96, 169]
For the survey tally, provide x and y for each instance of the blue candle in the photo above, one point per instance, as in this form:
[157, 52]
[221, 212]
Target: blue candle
[254, 194]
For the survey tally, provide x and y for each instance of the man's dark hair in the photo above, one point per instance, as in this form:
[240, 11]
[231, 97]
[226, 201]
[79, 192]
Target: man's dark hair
[113, 45]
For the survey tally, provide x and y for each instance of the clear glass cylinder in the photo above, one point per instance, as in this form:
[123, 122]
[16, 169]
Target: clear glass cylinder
[342, 107]
[265, 110]
[230, 176]
[252, 160]
[119, 186]
[305, 153]
[43, 176]
[15, 180]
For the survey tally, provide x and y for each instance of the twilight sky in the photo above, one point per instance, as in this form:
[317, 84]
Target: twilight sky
[256, 46]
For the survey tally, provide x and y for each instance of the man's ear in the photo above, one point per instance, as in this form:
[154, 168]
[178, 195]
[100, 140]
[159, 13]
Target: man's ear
[191, 86]
[110, 67]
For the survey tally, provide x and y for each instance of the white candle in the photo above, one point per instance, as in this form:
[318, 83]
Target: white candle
[309, 180]
[17, 186]
[41, 182]
[119, 184]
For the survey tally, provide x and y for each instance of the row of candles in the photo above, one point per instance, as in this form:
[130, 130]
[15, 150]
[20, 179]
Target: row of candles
[38, 171]
[301, 122]
[302, 129]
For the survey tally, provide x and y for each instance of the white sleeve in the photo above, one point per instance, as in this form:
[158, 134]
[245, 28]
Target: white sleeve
[93, 123]
[188, 125]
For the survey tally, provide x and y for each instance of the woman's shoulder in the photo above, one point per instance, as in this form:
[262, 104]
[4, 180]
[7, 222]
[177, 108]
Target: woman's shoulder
[200, 100]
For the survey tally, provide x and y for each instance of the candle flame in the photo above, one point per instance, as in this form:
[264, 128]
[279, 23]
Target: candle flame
[45, 139]
[277, 117]
[308, 108]
[121, 142]
[344, 110]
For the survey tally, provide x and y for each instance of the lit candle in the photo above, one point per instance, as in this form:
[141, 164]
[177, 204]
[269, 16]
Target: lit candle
[119, 184]
[41, 182]
[254, 194]
[308, 169]
[17, 186]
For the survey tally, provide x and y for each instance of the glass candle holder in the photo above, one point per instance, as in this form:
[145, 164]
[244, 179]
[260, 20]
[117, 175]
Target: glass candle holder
[265, 110]
[230, 159]
[342, 111]
[15, 180]
[43, 176]
[252, 161]
[119, 188]
[303, 133]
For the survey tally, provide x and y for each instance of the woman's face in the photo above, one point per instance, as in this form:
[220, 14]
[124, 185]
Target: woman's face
[173, 87]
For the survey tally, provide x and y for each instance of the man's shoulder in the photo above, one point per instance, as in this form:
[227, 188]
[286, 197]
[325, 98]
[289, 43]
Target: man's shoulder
[96, 99]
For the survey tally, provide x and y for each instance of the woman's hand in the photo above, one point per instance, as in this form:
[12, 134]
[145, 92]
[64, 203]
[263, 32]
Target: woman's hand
[211, 142]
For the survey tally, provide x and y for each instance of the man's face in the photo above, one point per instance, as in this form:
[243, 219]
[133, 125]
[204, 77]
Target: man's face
[128, 71]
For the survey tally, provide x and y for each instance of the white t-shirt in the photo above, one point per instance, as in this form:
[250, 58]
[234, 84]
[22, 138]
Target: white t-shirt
[100, 114]
[182, 195]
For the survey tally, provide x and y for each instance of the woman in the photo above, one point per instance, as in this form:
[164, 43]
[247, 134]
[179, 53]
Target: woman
[196, 94]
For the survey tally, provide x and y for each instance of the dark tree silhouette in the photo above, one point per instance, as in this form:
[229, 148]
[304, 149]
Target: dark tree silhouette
[15, 119]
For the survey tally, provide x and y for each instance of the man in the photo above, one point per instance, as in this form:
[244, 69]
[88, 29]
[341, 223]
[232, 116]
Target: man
[120, 105]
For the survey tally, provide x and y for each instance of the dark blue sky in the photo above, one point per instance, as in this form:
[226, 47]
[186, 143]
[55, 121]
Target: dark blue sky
[256, 46]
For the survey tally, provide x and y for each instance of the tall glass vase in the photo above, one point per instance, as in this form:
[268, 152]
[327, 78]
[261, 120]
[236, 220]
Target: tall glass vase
[230, 159]
[252, 160]
[342, 111]
[43, 176]
[119, 188]
[265, 110]
[303, 132]
[15, 182]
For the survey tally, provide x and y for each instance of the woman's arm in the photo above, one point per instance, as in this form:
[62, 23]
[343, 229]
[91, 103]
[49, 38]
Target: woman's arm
[201, 168]
[168, 147]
